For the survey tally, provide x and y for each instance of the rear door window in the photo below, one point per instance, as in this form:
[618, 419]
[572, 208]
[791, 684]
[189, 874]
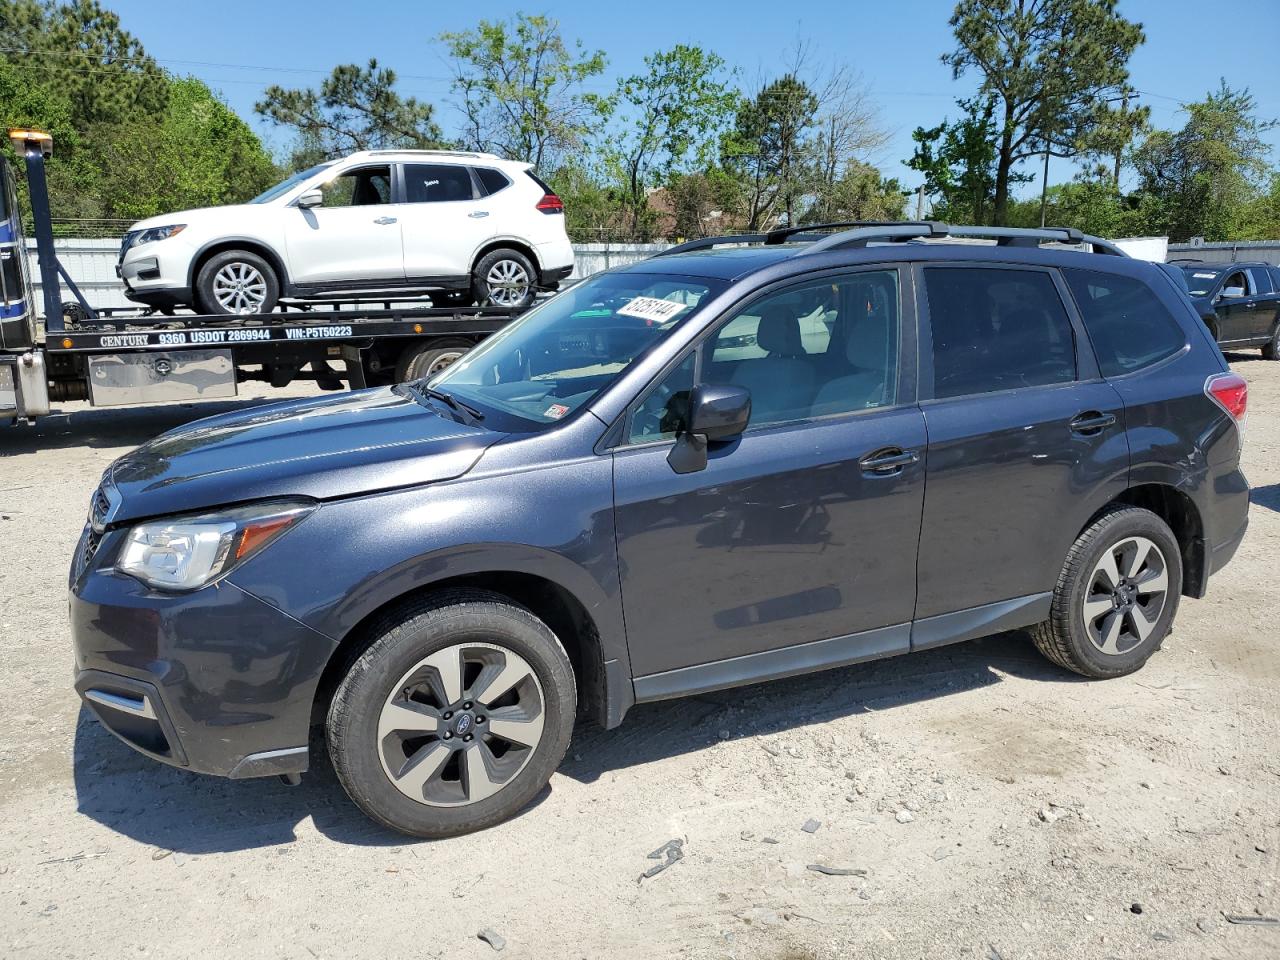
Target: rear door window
[1261, 280]
[997, 329]
[437, 183]
[1129, 326]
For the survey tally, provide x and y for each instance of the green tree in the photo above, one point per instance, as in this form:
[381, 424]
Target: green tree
[198, 154]
[673, 115]
[767, 149]
[1054, 68]
[522, 88]
[1207, 176]
[958, 160]
[80, 50]
[861, 193]
[356, 108]
[705, 203]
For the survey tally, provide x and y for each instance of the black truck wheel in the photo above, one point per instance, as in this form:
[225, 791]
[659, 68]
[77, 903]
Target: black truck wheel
[428, 359]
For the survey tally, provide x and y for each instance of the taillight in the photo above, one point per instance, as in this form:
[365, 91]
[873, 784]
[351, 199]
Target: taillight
[1230, 391]
[550, 203]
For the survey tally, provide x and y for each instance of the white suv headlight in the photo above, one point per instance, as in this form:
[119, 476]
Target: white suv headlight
[159, 233]
[186, 553]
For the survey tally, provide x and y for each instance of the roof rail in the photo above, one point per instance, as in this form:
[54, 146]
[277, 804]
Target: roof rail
[707, 243]
[806, 232]
[864, 233]
[470, 154]
[929, 230]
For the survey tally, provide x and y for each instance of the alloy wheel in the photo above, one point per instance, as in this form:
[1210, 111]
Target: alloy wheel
[240, 287]
[1126, 594]
[461, 724]
[508, 283]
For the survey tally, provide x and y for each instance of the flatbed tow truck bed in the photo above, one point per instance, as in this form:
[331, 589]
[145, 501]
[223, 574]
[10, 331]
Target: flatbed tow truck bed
[126, 357]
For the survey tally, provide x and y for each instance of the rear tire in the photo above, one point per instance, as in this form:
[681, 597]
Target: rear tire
[504, 278]
[236, 282]
[1272, 349]
[422, 738]
[1107, 624]
[429, 359]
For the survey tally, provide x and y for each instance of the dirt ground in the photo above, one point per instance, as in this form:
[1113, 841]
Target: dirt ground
[1000, 808]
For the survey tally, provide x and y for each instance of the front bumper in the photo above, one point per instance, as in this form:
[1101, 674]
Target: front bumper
[215, 681]
[162, 298]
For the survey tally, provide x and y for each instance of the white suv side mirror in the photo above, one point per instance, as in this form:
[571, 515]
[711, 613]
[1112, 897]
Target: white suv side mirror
[312, 198]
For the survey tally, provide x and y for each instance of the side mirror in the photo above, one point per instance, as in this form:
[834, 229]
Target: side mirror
[1231, 293]
[717, 412]
[312, 198]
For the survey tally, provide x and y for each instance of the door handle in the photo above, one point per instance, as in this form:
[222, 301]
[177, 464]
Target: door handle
[888, 461]
[476, 215]
[1091, 423]
[385, 220]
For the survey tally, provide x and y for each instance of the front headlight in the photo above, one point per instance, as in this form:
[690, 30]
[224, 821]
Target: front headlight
[186, 553]
[159, 233]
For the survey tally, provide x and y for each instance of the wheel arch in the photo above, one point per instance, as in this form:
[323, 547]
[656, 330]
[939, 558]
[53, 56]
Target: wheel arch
[1180, 512]
[604, 681]
[222, 244]
[511, 243]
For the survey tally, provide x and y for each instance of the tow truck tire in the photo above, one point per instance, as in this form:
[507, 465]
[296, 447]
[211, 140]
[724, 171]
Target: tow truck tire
[504, 278]
[429, 358]
[236, 282]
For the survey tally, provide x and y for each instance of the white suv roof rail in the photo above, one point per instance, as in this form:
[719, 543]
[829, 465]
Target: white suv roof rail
[467, 154]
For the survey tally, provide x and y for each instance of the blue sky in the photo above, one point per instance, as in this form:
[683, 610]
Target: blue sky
[240, 47]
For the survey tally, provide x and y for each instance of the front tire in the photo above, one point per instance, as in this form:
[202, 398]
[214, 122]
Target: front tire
[504, 278]
[1116, 598]
[455, 715]
[236, 282]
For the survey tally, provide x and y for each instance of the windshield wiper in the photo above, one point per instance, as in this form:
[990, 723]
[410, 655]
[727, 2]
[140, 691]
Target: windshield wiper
[415, 390]
[470, 413]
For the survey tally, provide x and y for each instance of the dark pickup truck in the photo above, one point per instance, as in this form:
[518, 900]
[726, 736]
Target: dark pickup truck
[1239, 302]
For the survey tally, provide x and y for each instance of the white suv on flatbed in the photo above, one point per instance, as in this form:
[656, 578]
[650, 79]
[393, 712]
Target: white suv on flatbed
[461, 228]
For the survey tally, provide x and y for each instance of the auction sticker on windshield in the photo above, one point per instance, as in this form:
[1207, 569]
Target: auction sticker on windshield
[651, 309]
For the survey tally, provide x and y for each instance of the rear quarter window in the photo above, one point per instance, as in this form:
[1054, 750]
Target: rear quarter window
[1129, 326]
[492, 180]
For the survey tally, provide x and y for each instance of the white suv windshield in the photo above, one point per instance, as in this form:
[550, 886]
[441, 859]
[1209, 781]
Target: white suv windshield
[284, 186]
[561, 354]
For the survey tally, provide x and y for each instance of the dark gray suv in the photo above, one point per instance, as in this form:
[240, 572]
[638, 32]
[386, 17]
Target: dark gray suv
[752, 458]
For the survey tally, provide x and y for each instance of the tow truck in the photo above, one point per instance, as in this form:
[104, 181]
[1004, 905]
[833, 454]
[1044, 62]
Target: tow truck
[117, 357]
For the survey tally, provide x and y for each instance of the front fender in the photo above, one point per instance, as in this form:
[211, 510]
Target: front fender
[353, 557]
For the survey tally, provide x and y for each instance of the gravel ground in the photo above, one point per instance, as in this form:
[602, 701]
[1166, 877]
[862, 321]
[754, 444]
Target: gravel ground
[989, 805]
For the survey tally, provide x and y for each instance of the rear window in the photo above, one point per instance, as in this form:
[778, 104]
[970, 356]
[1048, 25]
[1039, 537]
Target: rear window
[1129, 326]
[996, 329]
[492, 180]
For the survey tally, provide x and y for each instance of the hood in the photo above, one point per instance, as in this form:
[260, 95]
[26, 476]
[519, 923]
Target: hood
[194, 215]
[328, 447]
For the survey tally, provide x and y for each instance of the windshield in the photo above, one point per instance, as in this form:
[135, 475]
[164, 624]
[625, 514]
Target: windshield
[561, 354]
[284, 186]
[1200, 281]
